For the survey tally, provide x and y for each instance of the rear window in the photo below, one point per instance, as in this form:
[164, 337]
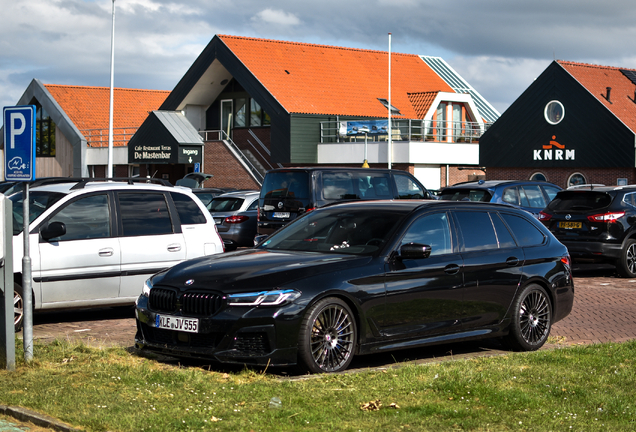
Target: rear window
[219, 204]
[466, 195]
[580, 201]
[291, 184]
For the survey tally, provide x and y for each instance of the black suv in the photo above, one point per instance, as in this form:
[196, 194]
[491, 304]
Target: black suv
[597, 224]
[529, 195]
[290, 192]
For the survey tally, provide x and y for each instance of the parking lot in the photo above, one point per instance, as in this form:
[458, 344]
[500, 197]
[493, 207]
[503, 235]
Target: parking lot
[603, 311]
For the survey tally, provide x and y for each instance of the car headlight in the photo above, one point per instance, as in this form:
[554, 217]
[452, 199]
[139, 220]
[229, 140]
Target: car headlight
[145, 291]
[262, 298]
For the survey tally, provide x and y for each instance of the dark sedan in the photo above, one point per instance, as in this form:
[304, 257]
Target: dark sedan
[362, 278]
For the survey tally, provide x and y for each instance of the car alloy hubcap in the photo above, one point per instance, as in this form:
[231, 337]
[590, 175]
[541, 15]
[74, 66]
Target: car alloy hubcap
[534, 317]
[332, 338]
[18, 308]
[631, 258]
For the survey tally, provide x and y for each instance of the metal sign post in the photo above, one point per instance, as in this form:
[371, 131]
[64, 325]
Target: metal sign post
[19, 165]
[7, 331]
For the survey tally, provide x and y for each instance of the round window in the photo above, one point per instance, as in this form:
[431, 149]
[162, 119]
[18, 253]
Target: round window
[538, 177]
[554, 112]
[576, 179]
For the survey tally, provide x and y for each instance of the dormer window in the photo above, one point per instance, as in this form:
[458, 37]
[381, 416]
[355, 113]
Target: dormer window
[394, 110]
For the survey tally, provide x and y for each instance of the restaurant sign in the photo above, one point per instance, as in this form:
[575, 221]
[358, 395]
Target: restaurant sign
[165, 154]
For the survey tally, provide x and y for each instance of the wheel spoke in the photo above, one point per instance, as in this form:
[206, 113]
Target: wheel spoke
[534, 317]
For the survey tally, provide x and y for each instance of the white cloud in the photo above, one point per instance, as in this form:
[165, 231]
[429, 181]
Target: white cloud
[274, 16]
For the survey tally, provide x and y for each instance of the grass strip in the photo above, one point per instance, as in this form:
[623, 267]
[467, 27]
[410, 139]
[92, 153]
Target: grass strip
[577, 388]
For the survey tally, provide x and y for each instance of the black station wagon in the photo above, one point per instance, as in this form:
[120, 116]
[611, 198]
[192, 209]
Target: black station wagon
[361, 278]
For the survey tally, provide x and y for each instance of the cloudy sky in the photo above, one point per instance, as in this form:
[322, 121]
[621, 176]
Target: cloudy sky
[498, 46]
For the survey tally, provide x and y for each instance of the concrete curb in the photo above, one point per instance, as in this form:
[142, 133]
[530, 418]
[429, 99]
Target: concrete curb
[42, 420]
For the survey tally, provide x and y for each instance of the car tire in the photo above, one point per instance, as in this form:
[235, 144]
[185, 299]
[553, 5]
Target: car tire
[531, 320]
[327, 337]
[626, 265]
[18, 307]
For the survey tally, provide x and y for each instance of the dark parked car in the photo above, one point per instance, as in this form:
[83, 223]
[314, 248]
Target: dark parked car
[531, 196]
[290, 192]
[597, 224]
[235, 216]
[206, 194]
[362, 278]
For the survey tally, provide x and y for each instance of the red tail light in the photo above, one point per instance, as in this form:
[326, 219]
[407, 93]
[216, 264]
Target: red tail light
[236, 219]
[606, 217]
[565, 259]
[544, 217]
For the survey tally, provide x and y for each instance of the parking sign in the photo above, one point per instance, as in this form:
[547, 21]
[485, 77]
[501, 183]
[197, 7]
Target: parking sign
[19, 143]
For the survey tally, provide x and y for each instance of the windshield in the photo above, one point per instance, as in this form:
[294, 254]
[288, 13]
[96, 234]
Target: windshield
[38, 203]
[357, 231]
[289, 184]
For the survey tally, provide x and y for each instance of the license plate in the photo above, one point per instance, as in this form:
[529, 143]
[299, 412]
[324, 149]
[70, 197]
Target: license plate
[190, 325]
[218, 221]
[570, 225]
[281, 215]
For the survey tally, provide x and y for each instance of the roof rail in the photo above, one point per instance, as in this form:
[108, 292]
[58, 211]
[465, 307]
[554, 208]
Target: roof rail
[81, 183]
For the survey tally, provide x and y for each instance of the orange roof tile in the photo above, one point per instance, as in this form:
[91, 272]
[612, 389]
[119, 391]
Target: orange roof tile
[88, 107]
[322, 79]
[422, 102]
[596, 79]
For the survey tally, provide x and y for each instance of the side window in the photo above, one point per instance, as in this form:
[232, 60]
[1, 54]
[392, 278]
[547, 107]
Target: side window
[535, 196]
[525, 232]
[85, 218]
[189, 211]
[477, 230]
[407, 188]
[144, 214]
[504, 238]
[337, 185]
[376, 187]
[511, 196]
[253, 206]
[551, 191]
[432, 230]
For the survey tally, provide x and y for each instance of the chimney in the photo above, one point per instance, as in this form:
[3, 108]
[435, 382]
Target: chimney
[609, 91]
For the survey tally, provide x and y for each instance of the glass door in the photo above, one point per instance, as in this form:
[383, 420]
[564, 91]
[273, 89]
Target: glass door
[226, 117]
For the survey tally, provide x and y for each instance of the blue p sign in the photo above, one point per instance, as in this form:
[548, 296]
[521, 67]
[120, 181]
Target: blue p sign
[19, 143]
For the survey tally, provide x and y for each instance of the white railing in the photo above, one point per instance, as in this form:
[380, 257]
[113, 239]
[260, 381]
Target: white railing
[410, 130]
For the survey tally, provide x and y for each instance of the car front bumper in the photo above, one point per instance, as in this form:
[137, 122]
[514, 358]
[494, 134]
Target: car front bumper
[239, 335]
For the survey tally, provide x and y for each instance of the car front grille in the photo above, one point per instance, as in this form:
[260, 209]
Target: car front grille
[199, 303]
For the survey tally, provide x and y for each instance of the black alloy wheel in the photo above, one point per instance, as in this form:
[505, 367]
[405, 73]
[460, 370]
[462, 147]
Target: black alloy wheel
[531, 321]
[626, 265]
[327, 336]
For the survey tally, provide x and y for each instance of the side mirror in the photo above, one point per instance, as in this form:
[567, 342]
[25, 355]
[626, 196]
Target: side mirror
[53, 230]
[259, 238]
[415, 251]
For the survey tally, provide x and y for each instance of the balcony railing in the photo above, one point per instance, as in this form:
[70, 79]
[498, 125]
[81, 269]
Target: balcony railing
[99, 137]
[410, 130]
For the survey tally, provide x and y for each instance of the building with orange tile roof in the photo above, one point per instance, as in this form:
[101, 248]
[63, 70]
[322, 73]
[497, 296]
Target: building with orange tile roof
[576, 123]
[73, 123]
[263, 104]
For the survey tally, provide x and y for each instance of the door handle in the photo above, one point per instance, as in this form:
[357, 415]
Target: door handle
[512, 261]
[175, 247]
[106, 252]
[451, 269]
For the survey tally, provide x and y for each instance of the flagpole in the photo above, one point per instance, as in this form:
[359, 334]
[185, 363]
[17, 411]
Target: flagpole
[390, 149]
[109, 172]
